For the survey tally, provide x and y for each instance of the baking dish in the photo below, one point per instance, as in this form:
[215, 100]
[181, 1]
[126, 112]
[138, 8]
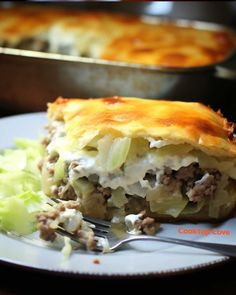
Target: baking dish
[29, 79]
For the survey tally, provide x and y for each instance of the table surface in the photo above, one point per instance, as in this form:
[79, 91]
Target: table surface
[217, 280]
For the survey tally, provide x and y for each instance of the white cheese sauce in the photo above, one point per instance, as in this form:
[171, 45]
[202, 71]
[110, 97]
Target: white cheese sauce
[131, 222]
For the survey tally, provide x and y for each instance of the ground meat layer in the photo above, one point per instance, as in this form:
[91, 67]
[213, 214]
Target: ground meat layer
[196, 183]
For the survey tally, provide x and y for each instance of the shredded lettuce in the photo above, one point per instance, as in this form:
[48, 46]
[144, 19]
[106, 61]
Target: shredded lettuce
[13, 183]
[14, 216]
[12, 160]
[17, 213]
[34, 152]
[20, 187]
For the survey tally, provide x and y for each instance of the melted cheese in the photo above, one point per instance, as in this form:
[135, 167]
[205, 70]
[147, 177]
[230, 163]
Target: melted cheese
[175, 121]
[116, 37]
[169, 45]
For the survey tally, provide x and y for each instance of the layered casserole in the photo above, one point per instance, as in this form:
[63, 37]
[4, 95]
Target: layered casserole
[113, 36]
[118, 156]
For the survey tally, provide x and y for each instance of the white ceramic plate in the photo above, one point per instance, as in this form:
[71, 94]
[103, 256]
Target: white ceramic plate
[140, 259]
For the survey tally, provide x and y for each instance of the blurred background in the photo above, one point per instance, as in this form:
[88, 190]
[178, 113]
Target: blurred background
[213, 11]
[218, 90]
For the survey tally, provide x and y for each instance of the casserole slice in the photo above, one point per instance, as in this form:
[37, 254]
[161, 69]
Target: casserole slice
[122, 155]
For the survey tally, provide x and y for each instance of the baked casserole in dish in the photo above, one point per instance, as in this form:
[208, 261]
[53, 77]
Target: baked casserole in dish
[113, 36]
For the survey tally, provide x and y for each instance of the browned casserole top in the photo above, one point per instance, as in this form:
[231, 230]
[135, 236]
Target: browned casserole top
[170, 46]
[180, 122]
[115, 37]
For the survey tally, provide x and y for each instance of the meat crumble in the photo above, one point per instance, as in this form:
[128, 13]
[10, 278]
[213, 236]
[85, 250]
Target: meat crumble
[67, 216]
[196, 183]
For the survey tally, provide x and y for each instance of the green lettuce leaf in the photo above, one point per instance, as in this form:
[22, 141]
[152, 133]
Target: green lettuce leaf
[18, 213]
[20, 187]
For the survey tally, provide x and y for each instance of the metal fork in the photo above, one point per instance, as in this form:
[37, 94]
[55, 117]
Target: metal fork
[103, 229]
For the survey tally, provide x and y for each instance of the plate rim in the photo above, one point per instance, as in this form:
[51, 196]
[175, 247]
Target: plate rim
[153, 274]
[148, 274]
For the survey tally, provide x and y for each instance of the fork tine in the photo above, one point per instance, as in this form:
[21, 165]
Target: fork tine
[55, 200]
[100, 235]
[100, 230]
[61, 231]
[98, 222]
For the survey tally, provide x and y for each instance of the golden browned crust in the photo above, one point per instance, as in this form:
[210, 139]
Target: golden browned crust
[116, 37]
[170, 46]
[180, 122]
[18, 23]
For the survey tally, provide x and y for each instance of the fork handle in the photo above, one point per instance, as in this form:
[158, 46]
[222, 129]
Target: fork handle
[224, 249]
